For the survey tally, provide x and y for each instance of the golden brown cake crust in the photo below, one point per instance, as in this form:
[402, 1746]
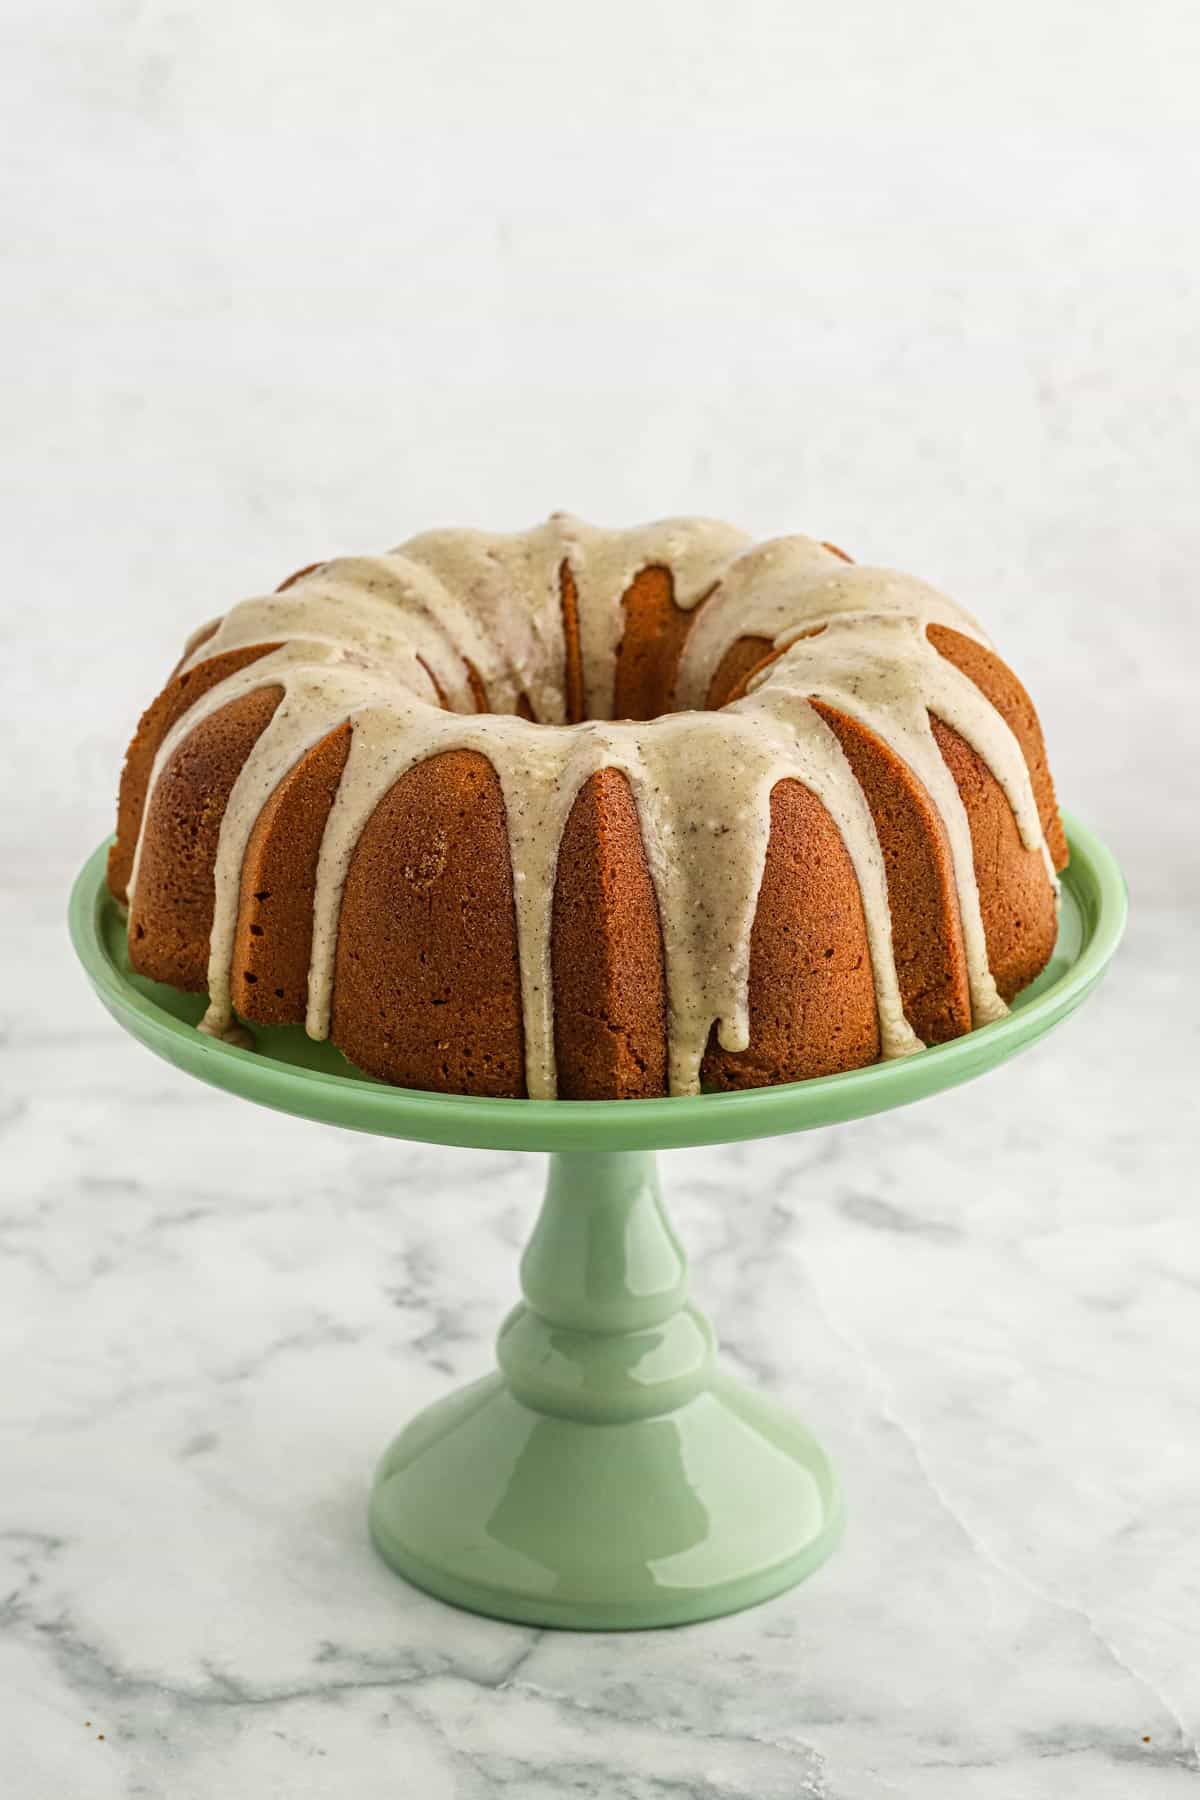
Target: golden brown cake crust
[172, 912]
[993, 677]
[610, 1000]
[170, 705]
[743, 661]
[572, 648]
[427, 984]
[1020, 918]
[812, 997]
[922, 898]
[651, 645]
[279, 876]
[744, 658]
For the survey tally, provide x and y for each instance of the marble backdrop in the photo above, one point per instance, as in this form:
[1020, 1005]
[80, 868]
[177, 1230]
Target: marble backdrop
[289, 280]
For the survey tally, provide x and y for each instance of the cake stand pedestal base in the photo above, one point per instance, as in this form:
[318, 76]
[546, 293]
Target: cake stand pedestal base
[610, 1475]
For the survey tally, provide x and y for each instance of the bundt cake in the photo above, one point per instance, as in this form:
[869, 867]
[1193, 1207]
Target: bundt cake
[595, 814]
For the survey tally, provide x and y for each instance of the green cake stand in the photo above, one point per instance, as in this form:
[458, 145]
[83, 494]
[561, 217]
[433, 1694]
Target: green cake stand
[609, 1474]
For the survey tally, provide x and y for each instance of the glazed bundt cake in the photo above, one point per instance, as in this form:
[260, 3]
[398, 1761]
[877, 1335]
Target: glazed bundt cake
[596, 814]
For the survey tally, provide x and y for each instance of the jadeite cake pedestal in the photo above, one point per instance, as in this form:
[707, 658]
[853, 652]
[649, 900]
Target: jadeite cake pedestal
[609, 1474]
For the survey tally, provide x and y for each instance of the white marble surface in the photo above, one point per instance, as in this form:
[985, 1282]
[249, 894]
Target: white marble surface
[289, 279]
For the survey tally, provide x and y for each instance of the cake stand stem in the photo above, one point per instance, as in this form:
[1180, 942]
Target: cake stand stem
[605, 1334]
[609, 1475]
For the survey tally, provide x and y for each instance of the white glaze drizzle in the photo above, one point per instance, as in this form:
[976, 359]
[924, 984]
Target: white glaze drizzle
[376, 640]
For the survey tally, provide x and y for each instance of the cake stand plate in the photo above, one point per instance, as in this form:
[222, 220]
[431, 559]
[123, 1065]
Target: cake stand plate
[609, 1474]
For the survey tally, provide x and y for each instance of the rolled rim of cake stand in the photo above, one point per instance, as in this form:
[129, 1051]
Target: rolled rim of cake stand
[1092, 919]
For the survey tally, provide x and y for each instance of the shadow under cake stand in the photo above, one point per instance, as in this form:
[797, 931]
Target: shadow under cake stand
[609, 1474]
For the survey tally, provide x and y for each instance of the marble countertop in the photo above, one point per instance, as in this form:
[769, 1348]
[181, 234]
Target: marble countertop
[216, 1317]
[286, 282]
